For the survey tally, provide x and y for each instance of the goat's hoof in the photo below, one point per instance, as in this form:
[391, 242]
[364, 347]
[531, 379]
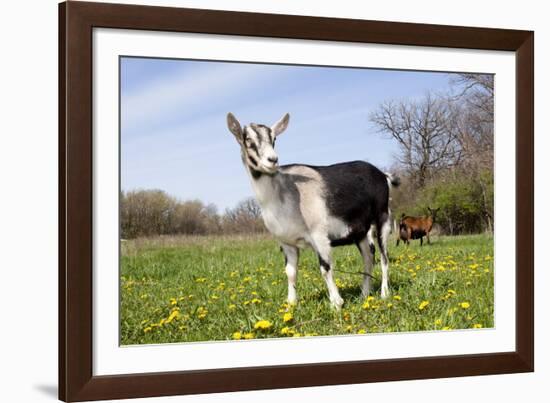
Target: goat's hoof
[290, 304]
[337, 303]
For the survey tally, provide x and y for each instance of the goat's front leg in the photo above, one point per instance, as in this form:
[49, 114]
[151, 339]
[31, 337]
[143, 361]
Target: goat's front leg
[323, 249]
[291, 269]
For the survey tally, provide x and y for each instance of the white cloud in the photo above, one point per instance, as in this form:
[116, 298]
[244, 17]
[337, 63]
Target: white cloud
[190, 91]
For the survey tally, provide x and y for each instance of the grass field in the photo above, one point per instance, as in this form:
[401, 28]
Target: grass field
[182, 289]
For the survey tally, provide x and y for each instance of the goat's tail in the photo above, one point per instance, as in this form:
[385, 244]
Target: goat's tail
[393, 181]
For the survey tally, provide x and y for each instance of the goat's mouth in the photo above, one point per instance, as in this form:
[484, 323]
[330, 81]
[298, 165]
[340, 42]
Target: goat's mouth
[269, 169]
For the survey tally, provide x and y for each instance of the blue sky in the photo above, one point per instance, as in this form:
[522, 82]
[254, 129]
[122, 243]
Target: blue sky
[173, 120]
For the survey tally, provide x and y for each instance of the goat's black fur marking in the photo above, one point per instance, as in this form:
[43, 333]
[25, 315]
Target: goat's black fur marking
[372, 248]
[357, 193]
[260, 130]
[255, 173]
[284, 254]
[287, 187]
[254, 148]
[324, 264]
[353, 237]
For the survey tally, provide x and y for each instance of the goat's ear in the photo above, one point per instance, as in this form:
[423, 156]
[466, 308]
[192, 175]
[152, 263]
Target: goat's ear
[281, 125]
[234, 127]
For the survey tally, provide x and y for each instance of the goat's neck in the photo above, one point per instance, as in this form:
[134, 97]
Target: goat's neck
[265, 187]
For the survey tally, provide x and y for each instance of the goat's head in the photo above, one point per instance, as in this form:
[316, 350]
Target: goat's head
[258, 143]
[433, 212]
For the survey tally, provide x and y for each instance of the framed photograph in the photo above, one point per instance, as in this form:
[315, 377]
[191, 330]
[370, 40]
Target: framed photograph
[253, 201]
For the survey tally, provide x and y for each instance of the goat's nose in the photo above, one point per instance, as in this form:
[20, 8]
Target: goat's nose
[273, 159]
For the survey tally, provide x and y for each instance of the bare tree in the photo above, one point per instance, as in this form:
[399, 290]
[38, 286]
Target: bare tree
[478, 90]
[425, 132]
[245, 217]
[475, 128]
[145, 212]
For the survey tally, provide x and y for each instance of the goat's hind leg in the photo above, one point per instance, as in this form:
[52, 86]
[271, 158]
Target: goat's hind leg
[291, 269]
[383, 232]
[368, 258]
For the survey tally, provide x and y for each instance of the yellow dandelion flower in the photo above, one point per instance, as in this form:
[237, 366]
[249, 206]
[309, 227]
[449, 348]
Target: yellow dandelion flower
[262, 324]
[389, 304]
[477, 326]
[147, 329]
[446, 328]
[464, 305]
[397, 297]
[361, 331]
[286, 331]
[438, 322]
[248, 336]
[423, 305]
[202, 312]
[370, 298]
[451, 292]
[237, 336]
[173, 315]
[232, 306]
[366, 305]
[173, 301]
[297, 334]
[287, 317]
[256, 301]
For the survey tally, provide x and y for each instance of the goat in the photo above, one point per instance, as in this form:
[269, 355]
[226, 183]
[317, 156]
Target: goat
[416, 227]
[317, 206]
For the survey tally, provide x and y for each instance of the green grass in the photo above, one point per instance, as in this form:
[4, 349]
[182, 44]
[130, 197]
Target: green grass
[182, 289]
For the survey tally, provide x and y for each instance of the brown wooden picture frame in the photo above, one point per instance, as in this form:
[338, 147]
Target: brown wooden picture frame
[76, 23]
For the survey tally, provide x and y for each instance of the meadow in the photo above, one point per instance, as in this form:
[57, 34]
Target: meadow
[187, 289]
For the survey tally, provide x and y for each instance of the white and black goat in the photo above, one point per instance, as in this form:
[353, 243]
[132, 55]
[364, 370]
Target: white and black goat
[317, 206]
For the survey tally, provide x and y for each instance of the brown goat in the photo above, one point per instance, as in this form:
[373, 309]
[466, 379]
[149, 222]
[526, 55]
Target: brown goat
[416, 227]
